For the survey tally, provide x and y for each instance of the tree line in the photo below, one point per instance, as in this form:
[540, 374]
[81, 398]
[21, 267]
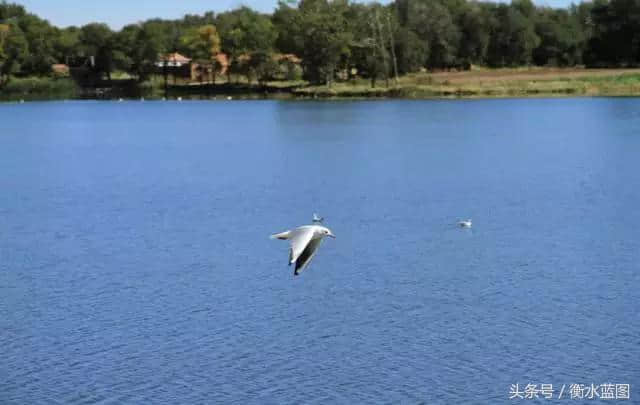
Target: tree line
[337, 39]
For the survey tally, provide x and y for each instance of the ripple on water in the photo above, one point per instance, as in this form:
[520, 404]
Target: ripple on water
[138, 268]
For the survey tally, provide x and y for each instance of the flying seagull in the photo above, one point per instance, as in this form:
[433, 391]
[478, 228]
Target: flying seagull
[317, 218]
[465, 224]
[304, 244]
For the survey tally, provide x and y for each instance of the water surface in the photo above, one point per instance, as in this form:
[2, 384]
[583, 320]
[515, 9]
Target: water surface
[135, 264]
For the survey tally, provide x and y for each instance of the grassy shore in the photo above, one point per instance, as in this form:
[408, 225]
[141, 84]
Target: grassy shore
[476, 83]
[521, 82]
[38, 88]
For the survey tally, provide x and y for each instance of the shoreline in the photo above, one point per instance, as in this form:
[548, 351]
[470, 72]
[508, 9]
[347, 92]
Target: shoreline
[474, 84]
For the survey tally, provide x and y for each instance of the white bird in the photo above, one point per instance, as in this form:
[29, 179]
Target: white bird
[304, 242]
[179, 98]
[465, 224]
[317, 218]
[229, 98]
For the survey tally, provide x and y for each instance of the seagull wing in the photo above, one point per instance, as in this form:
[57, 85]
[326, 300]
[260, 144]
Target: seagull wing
[307, 255]
[299, 238]
[282, 235]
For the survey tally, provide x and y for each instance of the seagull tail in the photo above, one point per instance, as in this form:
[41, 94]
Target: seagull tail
[281, 235]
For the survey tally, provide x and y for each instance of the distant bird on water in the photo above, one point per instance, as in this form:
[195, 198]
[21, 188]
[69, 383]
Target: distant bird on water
[304, 242]
[317, 218]
[465, 224]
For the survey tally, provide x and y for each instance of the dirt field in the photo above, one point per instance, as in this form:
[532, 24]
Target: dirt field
[482, 82]
[520, 74]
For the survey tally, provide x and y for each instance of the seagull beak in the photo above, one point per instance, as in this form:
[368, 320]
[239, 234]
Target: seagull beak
[332, 235]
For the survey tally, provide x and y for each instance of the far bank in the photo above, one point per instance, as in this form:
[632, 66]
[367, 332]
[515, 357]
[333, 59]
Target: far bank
[476, 83]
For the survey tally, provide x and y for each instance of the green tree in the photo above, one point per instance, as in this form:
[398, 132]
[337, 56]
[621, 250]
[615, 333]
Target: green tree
[203, 44]
[263, 66]
[372, 46]
[513, 39]
[287, 23]
[615, 39]
[326, 37]
[137, 49]
[98, 44]
[125, 47]
[433, 27]
[10, 11]
[245, 32]
[437, 26]
[66, 44]
[560, 39]
[15, 51]
[475, 33]
[4, 33]
[39, 36]
[411, 50]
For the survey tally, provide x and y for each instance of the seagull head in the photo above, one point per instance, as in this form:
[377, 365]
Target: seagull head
[324, 231]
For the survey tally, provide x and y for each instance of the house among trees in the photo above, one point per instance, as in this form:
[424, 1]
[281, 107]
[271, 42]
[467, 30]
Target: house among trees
[287, 58]
[179, 66]
[174, 64]
[60, 69]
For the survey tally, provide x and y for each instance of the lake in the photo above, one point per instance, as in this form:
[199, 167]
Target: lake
[136, 264]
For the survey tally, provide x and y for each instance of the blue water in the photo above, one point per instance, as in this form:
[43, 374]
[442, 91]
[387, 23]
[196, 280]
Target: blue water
[135, 264]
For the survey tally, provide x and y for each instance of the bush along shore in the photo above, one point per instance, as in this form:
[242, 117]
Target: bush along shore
[39, 88]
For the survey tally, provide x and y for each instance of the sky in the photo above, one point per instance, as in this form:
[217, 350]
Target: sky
[118, 13]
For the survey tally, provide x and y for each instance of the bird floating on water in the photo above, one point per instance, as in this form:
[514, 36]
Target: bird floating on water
[229, 98]
[465, 224]
[179, 98]
[304, 242]
[317, 218]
